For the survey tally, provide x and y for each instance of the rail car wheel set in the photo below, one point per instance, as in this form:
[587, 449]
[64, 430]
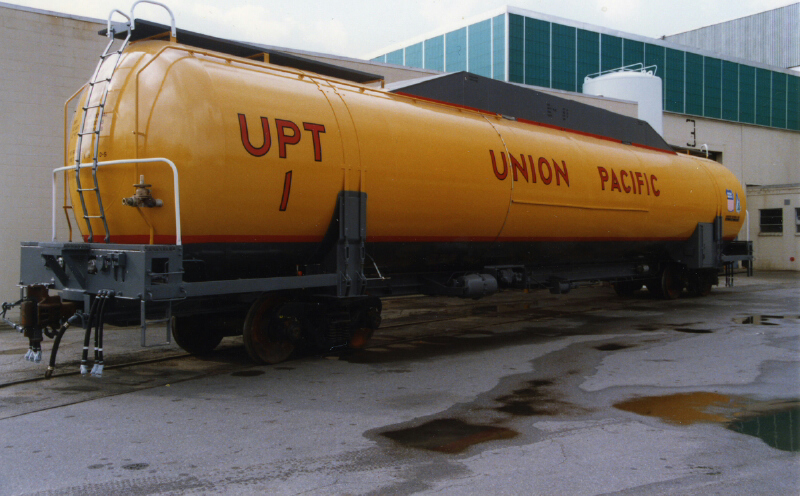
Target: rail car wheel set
[224, 189]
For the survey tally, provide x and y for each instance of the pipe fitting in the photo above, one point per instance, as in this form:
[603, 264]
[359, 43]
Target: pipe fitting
[143, 197]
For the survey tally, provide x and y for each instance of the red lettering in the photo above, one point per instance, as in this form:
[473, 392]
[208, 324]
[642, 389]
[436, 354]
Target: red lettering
[284, 139]
[549, 177]
[516, 166]
[287, 188]
[614, 182]
[639, 181]
[263, 149]
[653, 180]
[633, 184]
[603, 177]
[533, 169]
[494, 165]
[315, 129]
[622, 176]
[561, 173]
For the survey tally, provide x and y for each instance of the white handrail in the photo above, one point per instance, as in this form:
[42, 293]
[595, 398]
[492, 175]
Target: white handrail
[171, 16]
[131, 161]
[109, 33]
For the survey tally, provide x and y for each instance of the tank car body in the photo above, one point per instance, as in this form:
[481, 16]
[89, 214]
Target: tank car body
[263, 151]
[282, 172]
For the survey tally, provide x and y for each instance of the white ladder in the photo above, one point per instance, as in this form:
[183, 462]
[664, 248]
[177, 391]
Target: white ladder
[94, 82]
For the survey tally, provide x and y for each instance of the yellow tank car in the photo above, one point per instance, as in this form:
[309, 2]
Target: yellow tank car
[298, 199]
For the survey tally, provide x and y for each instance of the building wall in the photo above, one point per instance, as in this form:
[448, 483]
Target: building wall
[775, 250]
[44, 59]
[769, 37]
[559, 53]
[757, 155]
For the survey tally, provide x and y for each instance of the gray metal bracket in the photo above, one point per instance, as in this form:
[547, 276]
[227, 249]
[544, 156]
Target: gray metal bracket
[346, 257]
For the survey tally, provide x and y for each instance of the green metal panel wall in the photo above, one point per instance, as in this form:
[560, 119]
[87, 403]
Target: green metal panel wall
[564, 57]
[414, 55]
[747, 94]
[673, 77]
[763, 89]
[499, 47]
[793, 103]
[537, 52]
[694, 84]
[516, 48]
[434, 53]
[480, 48]
[632, 52]
[588, 55]
[778, 99]
[611, 52]
[712, 87]
[455, 45]
[730, 90]
[395, 57]
[554, 55]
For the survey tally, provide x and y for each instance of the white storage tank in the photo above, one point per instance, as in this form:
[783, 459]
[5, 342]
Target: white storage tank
[633, 83]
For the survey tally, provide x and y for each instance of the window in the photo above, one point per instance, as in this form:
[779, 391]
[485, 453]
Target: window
[771, 220]
[797, 220]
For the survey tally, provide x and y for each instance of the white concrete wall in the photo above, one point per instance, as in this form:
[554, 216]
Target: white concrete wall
[775, 251]
[44, 59]
[757, 155]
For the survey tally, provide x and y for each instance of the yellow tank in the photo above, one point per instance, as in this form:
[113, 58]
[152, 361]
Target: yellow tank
[262, 152]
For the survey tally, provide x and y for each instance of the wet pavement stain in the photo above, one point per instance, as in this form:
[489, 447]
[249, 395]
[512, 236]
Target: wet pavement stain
[693, 331]
[443, 345]
[683, 408]
[776, 422]
[248, 373]
[533, 400]
[764, 319]
[136, 466]
[449, 436]
[613, 347]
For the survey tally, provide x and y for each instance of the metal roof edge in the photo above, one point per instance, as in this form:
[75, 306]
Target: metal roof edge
[52, 13]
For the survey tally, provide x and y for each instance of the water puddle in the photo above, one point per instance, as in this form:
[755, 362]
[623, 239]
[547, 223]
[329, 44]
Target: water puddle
[448, 435]
[775, 422]
[765, 319]
[248, 373]
[780, 429]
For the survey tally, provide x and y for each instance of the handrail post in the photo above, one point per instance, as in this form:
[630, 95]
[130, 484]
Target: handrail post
[173, 31]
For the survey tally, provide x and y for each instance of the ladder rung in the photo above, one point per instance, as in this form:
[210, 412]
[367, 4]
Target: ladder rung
[93, 217]
[92, 83]
[99, 105]
[88, 133]
[87, 189]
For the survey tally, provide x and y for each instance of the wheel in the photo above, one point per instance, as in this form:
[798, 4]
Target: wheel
[194, 334]
[369, 319]
[699, 285]
[668, 285]
[267, 334]
[627, 288]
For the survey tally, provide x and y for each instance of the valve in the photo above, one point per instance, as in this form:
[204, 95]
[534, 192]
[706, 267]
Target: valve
[143, 197]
